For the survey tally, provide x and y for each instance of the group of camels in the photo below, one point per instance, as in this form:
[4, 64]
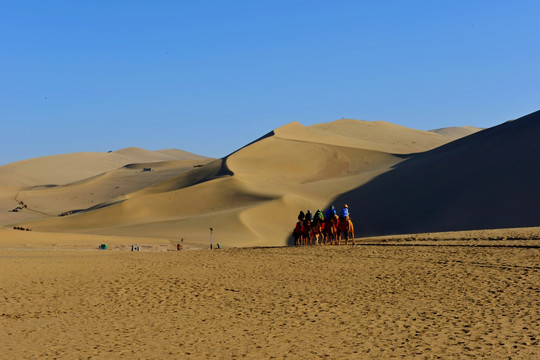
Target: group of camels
[328, 231]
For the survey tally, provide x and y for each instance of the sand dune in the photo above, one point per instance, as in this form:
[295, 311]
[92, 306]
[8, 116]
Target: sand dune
[249, 197]
[380, 136]
[68, 168]
[48, 202]
[385, 172]
[455, 133]
[484, 181]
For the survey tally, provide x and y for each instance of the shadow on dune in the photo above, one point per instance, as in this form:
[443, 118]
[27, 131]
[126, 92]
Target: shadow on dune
[487, 180]
[211, 171]
[290, 240]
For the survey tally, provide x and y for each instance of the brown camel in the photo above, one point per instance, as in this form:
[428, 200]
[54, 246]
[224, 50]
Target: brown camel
[317, 232]
[345, 227]
[307, 233]
[298, 233]
[330, 230]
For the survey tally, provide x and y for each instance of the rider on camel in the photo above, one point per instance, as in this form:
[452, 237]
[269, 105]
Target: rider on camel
[345, 212]
[301, 216]
[319, 216]
[330, 213]
[309, 216]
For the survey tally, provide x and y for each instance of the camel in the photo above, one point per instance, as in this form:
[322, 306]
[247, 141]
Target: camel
[345, 226]
[330, 230]
[298, 233]
[302, 233]
[307, 234]
[317, 232]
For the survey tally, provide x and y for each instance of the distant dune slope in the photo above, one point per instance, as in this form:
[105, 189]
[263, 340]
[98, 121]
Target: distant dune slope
[380, 136]
[67, 168]
[487, 180]
[454, 133]
[105, 188]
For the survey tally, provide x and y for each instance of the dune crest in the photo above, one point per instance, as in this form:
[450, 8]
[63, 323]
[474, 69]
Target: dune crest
[68, 168]
[455, 133]
[487, 180]
[380, 136]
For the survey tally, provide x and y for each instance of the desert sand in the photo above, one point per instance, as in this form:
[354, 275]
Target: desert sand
[455, 133]
[446, 263]
[395, 180]
[392, 301]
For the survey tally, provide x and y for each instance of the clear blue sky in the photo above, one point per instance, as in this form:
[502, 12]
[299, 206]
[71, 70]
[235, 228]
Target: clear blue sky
[103, 75]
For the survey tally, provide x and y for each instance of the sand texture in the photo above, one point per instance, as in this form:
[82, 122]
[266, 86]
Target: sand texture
[429, 302]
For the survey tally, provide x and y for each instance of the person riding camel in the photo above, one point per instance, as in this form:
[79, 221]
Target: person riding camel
[299, 227]
[319, 216]
[345, 212]
[301, 216]
[331, 212]
[309, 216]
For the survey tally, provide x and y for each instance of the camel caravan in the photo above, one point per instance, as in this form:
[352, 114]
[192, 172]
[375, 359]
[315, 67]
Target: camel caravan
[322, 228]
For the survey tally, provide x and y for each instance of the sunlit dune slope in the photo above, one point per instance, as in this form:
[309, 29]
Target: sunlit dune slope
[243, 210]
[68, 168]
[109, 187]
[454, 133]
[379, 136]
[484, 181]
[251, 197]
[104, 189]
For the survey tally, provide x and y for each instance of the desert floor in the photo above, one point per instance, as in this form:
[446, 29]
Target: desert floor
[450, 300]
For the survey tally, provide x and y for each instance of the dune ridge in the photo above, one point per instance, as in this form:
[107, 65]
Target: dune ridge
[455, 133]
[484, 181]
[68, 168]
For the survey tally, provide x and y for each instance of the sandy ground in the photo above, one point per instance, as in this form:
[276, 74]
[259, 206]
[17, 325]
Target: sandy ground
[376, 301]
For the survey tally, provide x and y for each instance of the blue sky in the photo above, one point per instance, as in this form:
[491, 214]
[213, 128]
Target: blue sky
[211, 76]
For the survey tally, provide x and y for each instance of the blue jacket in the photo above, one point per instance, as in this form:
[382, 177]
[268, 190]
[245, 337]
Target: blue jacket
[330, 213]
[345, 212]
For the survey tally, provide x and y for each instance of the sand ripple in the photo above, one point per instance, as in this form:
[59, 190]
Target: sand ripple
[315, 302]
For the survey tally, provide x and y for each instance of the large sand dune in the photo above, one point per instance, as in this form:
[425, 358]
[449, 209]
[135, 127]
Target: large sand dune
[484, 181]
[395, 180]
[67, 168]
[124, 173]
[250, 197]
